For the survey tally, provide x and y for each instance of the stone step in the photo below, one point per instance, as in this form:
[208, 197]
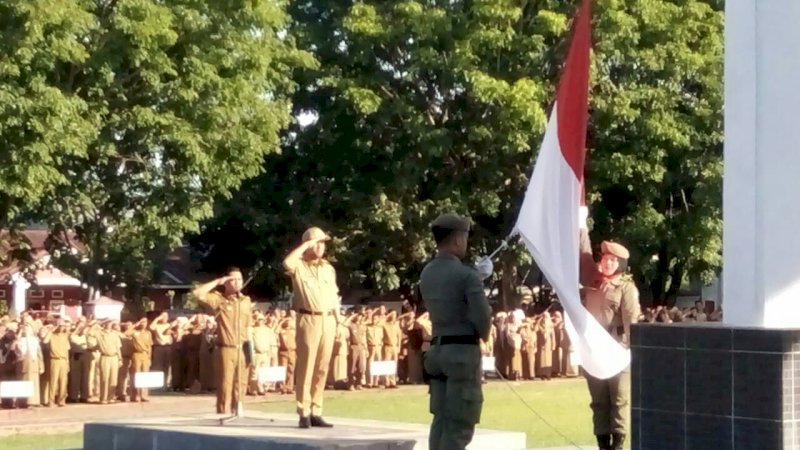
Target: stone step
[258, 430]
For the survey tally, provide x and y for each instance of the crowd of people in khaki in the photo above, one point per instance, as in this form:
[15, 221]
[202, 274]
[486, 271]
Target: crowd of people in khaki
[95, 361]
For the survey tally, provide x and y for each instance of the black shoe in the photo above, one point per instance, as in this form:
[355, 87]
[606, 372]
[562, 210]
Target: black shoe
[318, 421]
[305, 422]
[604, 442]
[618, 441]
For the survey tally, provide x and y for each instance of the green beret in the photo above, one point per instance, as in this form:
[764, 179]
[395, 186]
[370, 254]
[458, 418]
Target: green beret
[452, 222]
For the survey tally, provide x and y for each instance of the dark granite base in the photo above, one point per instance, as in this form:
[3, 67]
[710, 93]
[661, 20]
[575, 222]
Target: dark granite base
[708, 386]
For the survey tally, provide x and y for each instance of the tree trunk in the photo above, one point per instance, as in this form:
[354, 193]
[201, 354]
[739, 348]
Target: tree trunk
[508, 285]
[659, 283]
[676, 279]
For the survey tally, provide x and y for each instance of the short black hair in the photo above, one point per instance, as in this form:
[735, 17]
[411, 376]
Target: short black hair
[232, 269]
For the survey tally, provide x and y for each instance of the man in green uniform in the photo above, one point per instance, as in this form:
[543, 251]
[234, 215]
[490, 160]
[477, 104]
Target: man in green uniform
[461, 316]
[232, 311]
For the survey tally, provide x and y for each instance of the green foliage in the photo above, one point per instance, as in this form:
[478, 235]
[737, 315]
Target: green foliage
[125, 121]
[425, 107]
[655, 170]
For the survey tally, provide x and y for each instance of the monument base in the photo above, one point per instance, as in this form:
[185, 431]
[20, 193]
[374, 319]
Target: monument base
[699, 386]
[274, 431]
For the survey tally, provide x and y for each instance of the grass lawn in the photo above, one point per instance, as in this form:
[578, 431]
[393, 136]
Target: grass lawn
[42, 442]
[563, 403]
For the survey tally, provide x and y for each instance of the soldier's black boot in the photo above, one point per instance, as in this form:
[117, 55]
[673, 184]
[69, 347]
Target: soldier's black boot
[618, 441]
[604, 442]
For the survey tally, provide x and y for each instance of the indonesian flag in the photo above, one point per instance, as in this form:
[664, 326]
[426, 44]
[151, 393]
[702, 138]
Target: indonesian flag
[548, 221]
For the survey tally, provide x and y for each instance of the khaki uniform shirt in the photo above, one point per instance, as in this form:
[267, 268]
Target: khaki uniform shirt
[261, 339]
[314, 286]
[613, 302]
[142, 341]
[287, 339]
[226, 312]
[358, 334]
[391, 334]
[109, 343]
[59, 345]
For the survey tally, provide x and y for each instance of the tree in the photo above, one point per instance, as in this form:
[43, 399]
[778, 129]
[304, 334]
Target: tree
[140, 114]
[422, 107]
[656, 166]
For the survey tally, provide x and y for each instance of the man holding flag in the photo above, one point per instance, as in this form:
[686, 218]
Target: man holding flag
[611, 297]
[550, 225]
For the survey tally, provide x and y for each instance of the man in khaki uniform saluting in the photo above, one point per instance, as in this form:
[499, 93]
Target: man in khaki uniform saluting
[230, 308]
[109, 344]
[316, 300]
[59, 364]
[461, 316]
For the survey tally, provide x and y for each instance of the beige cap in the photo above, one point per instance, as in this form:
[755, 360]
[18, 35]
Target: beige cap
[452, 221]
[315, 233]
[615, 249]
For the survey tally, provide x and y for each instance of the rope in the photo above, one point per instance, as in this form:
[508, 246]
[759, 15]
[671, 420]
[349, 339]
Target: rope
[535, 413]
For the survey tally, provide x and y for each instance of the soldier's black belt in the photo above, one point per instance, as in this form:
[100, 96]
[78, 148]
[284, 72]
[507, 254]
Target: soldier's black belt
[453, 340]
[315, 313]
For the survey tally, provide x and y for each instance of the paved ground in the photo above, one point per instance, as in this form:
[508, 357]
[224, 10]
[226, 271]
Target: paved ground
[72, 417]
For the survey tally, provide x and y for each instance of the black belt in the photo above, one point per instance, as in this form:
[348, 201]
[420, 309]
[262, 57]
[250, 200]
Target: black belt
[315, 313]
[453, 340]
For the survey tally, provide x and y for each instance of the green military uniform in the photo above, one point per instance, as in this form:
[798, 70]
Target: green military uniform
[454, 296]
[614, 302]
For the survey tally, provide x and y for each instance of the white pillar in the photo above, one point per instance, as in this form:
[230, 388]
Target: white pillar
[761, 200]
[19, 293]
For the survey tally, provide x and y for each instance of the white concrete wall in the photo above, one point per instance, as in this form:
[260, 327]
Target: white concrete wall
[761, 277]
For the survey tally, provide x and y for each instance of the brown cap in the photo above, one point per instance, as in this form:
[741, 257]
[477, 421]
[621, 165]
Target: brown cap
[452, 222]
[315, 233]
[612, 248]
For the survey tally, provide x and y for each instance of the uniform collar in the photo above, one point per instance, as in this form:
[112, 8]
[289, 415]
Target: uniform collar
[445, 255]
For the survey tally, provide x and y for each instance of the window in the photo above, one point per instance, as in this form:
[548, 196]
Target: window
[57, 293]
[36, 293]
[2, 293]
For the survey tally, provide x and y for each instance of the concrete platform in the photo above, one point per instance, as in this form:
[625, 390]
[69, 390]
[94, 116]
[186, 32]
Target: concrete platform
[274, 432]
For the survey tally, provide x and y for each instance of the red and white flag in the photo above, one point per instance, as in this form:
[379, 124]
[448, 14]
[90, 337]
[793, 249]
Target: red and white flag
[548, 221]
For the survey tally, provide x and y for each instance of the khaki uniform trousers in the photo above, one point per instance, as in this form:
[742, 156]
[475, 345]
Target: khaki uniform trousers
[259, 360]
[59, 380]
[315, 336]
[76, 375]
[288, 359]
[373, 354]
[140, 362]
[610, 403]
[358, 364]
[390, 354]
[229, 375]
[123, 376]
[89, 388]
[109, 370]
[456, 396]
